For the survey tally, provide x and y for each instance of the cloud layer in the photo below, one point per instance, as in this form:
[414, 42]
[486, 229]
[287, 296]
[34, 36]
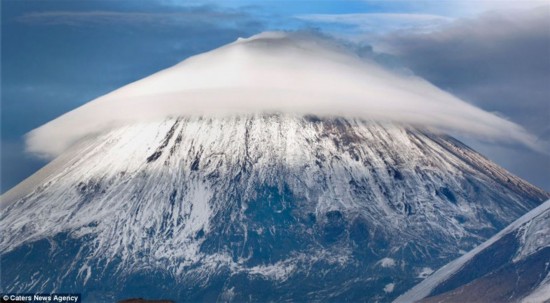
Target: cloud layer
[199, 15]
[276, 72]
[379, 22]
[499, 61]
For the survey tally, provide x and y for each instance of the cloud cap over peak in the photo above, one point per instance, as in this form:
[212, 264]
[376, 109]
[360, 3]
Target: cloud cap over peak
[298, 72]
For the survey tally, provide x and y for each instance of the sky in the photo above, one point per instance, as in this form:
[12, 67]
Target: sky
[58, 55]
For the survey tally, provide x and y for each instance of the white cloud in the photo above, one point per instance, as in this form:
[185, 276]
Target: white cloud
[380, 22]
[474, 7]
[276, 72]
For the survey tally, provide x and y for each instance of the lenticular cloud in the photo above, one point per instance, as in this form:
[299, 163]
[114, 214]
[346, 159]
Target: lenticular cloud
[275, 72]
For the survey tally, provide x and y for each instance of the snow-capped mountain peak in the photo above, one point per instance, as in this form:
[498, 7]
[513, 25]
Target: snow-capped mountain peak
[281, 167]
[197, 207]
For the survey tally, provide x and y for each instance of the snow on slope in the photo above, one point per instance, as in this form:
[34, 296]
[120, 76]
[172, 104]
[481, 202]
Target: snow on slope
[275, 72]
[540, 294]
[534, 228]
[257, 196]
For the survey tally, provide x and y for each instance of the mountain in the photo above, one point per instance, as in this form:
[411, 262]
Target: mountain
[512, 266]
[281, 167]
[253, 208]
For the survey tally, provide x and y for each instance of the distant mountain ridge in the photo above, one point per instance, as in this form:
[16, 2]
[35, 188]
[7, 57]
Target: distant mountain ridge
[512, 266]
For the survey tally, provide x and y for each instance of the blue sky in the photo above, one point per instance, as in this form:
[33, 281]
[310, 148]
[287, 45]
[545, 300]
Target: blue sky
[58, 55]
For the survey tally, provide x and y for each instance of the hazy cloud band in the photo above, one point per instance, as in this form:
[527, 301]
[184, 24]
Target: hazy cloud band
[293, 73]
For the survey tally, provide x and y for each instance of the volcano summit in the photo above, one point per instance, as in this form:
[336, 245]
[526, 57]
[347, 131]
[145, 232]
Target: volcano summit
[279, 167]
